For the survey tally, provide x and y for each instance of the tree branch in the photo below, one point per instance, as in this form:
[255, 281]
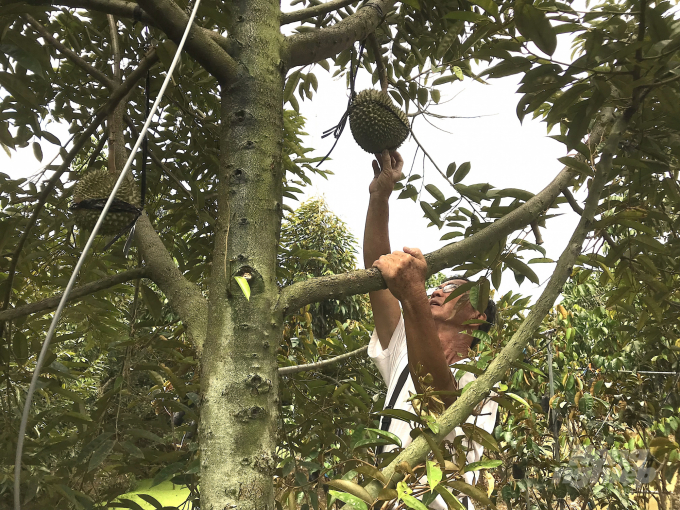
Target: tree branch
[75, 58]
[173, 21]
[78, 292]
[321, 364]
[116, 97]
[464, 405]
[184, 297]
[312, 12]
[299, 294]
[306, 48]
[572, 201]
[379, 63]
[120, 8]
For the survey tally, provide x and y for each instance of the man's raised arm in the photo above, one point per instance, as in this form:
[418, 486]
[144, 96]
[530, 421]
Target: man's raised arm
[387, 171]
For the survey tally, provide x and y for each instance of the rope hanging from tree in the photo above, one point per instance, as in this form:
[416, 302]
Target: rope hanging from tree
[88, 245]
[337, 130]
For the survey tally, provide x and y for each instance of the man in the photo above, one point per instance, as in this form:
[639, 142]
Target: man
[424, 330]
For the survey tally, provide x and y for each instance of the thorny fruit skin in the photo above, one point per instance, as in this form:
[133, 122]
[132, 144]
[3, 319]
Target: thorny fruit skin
[97, 185]
[376, 123]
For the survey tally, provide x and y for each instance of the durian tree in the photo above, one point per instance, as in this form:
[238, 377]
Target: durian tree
[224, 152]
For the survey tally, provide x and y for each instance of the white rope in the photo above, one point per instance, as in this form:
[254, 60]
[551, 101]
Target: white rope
[81, 260]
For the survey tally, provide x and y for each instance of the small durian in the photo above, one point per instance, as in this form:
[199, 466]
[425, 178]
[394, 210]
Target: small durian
[376, 123]
[91, 193]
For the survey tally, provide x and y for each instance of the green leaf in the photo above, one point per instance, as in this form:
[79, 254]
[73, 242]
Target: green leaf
[483, 464]
[352, 488]
[533, 24]
[413, 3]
[473, 492]
[577, 165]
[519, 399]
[451, 501]
[520, 267]
[434, 191]
[151, 500]
[412, 502]
[291, 84]
[400, 414]
[37, 151]
[450, 169]
[387, 435]
[23, 58]
[145, 434]
[462, 171]
[431, 214]
[243, 283]
[349, 499]
[100, 454]
[152, 302]
[585, 404]
[18, 90]
[480, 436]
[132, 449]
[434, 474]
[166, 473]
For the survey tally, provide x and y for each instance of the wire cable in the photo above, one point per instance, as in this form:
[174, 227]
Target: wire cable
[81, 260]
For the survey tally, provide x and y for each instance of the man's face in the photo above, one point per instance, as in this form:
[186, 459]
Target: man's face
[456, 311]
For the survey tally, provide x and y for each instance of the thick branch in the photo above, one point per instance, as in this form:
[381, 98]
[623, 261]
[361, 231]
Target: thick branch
[359, 282]
[78, 292]
[309, 47]
[464, 405]
[321, 364]
[184, 297]
[173, 21]
[75, 58]
[120, 8]
[116, 97]
[314, 11]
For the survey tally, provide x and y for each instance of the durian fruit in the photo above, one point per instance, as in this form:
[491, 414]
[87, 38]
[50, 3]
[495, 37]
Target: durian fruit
[90, 195]
[376, 123]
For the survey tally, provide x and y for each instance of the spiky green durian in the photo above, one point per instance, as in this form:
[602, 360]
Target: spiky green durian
[376, 123]
[90, 195]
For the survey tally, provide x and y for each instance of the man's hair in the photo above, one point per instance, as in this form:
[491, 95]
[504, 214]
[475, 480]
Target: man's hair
[490, 313]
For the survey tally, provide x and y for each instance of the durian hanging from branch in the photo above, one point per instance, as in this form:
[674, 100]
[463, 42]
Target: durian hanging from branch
[376, 123]
[91, 193]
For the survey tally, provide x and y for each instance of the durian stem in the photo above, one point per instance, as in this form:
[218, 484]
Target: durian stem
[379, 62]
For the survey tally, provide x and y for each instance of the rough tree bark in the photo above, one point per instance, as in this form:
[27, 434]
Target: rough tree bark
[237, 338]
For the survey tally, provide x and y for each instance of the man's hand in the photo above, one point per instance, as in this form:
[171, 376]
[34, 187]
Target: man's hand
[404, 272]
[386, 171]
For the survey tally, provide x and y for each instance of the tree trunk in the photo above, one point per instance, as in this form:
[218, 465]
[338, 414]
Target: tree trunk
[239, 413]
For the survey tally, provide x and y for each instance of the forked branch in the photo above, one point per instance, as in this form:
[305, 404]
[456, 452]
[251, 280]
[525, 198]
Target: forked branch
[464, 405]
[184, 297]
[314, 11]
[359, 282]
[173, 21]
[116, 97]
[309, 47]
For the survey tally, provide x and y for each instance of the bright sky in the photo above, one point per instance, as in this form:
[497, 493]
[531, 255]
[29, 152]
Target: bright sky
[501, 150]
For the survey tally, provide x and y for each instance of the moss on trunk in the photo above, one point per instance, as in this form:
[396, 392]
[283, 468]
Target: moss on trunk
[239, 379]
